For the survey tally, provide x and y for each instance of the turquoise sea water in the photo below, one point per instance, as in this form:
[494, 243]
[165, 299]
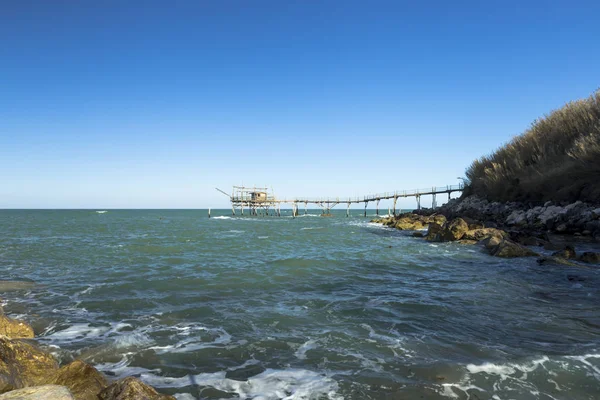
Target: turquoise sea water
[304, 308]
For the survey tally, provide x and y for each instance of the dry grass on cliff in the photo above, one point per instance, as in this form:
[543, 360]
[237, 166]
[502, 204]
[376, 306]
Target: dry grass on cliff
[557, 159]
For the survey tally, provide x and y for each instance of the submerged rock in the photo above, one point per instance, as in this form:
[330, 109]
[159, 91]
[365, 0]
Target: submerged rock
[590, 257]
[557, 261]
[131, 388]
[9, 286]
[418, 234]
[567, 253]
[13, 328]
[23, 364]
[83, 380]
[45, 392]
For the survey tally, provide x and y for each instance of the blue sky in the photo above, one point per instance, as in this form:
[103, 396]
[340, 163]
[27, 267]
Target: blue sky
[148, 104]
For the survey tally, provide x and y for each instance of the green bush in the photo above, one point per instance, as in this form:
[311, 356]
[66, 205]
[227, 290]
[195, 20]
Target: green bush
[557, 159]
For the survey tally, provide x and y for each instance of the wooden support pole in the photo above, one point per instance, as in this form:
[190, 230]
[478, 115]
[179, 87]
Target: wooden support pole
[366, 203]
[377, 207]
[242, 208]
[209, 213]
[305, 207]
[418, 197]
[232, 210]
[348, 211]
[395, 200]
[433, 202]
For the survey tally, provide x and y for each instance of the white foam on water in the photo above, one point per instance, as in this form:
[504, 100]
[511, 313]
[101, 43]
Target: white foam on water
[102, 212]
[289, 384]
[306, 346]
[76, 333]
[310, 228]
[507, 377]
[193, 343]
[222, 217]
[263, 237]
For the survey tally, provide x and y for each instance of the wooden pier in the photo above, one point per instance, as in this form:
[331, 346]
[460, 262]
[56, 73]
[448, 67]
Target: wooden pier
[255, 200]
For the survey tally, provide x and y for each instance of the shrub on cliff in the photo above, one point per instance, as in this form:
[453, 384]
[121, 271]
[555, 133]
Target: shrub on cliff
[557, 158]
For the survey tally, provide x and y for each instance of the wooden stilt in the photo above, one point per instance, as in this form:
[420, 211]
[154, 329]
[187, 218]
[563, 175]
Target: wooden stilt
[209, 213]
[366, 203]
[395, 200]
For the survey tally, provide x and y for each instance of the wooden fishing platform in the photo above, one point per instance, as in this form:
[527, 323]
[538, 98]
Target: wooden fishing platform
[257, 199]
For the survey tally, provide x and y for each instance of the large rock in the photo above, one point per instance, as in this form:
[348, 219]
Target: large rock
[131, 388]
[454, 230]
[483, 233]
[13, 328]
[509, 249]
[590, 257]
[45, 392]
[434, 232]
[83, 380]
[23, 364]
[409, 224]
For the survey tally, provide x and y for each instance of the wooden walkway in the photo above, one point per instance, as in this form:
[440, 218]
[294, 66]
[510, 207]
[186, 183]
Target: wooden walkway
[265, 202]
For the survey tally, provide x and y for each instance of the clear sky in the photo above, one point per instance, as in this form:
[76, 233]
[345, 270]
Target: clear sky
[153, 104]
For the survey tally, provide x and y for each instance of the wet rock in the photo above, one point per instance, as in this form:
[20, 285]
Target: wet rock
[23, 364]
[454, 230]
[13, 328]
[418, 234]
[491, 242]
[509, 249]
[83, 380]
[467, 241]
[434, 232]
[567, 253]
[590, 257]
[483, 233]
[552, 246]
[517, 217]
[45, 392]
[409, 224]
[131, 388]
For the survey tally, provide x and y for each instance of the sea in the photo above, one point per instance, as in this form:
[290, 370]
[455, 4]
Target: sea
[309, 307]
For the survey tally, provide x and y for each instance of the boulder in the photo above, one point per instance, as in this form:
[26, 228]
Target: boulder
[454, 230]
[23, 364]
[409, 224]
[590, 257]
[418, 234]
[509, 249]
[131, 388]
[45, 392]
[13, 328]
[483, 233]
[434, 232]
[83, 380]
[491, 242]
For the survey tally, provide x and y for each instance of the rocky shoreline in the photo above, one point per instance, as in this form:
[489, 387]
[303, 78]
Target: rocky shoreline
[510, 229]
[28, 372]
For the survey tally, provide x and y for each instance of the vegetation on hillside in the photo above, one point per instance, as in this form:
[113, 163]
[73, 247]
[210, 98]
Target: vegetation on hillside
[557, 159]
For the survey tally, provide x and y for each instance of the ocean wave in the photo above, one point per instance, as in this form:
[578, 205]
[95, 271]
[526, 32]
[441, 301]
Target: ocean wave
[102, 212]
[272, 384]
[535, 376]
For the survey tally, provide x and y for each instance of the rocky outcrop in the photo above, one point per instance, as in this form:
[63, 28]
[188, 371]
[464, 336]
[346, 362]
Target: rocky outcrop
[45, 392]
[576, 217]
[83, 380]
[131, 389]
[454, 230]
[23, 364]
[13, 328]
[434, 232]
